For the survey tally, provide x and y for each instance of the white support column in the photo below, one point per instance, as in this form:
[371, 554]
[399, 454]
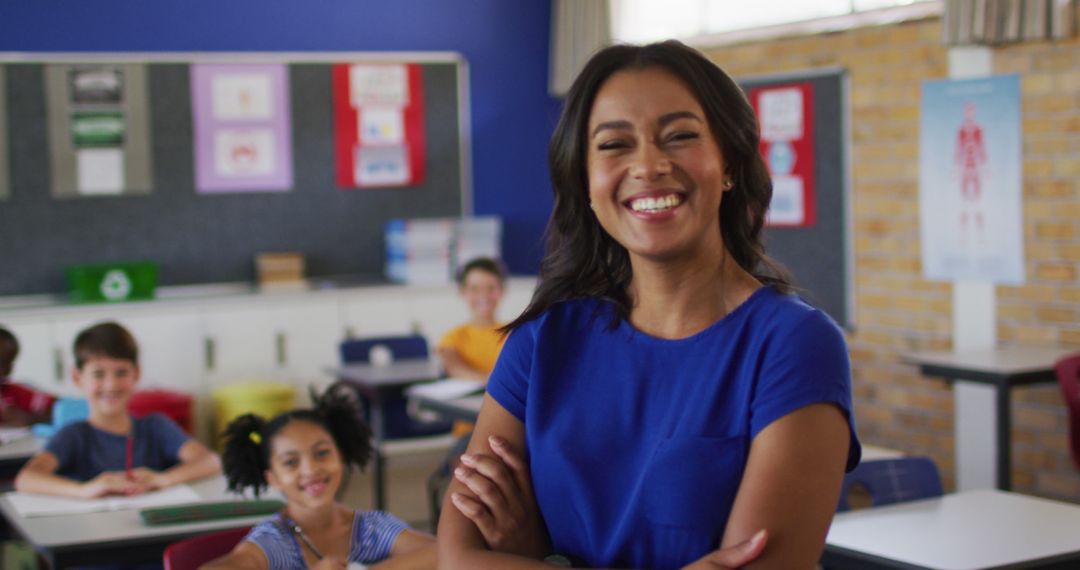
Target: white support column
[974, 327]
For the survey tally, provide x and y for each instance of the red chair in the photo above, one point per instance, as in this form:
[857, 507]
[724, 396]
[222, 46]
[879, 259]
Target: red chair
[1068, 374]
[189, 554]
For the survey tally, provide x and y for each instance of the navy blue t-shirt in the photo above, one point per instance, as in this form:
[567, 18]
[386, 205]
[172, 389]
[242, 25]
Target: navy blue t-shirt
[638, 444]
[84, 452]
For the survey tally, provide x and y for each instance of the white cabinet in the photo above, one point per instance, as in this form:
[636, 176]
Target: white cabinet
[38, 363]
[380, 311]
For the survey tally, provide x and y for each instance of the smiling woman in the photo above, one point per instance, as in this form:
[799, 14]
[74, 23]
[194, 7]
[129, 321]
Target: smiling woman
[674, 399]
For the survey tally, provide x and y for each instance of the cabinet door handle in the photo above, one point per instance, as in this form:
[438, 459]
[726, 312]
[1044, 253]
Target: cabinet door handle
[282, 355]
[209, 352]
[58, 365]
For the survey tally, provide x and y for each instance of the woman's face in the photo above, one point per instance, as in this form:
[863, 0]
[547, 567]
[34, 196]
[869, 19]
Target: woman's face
[656, 174]
[305, 464]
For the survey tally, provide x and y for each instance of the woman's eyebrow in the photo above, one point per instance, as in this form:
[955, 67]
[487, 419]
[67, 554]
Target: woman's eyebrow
[611, 125]
[670, 117]
[664, 120]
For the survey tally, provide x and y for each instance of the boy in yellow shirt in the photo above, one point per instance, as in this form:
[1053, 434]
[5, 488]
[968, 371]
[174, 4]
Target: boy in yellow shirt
[470, 350]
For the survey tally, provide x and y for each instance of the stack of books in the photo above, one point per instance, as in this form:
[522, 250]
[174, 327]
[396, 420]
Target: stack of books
[430, 251]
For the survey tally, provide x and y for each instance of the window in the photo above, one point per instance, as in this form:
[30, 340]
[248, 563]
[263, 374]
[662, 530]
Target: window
[651, 20]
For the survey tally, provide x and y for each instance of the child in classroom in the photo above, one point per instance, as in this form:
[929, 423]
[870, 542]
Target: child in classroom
[306, 454]
[112, 453]
[20, 404]
[470, 350]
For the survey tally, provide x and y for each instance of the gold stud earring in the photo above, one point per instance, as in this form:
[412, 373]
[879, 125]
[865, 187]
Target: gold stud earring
[728, 184]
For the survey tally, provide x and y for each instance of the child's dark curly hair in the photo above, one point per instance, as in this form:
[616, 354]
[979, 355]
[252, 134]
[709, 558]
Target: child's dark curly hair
[248, 438]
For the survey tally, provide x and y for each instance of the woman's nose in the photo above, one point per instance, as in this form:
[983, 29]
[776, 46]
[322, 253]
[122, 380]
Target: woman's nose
[650, 163]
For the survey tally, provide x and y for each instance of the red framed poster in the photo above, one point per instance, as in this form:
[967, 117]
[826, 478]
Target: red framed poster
[785, 113]
[378, 125]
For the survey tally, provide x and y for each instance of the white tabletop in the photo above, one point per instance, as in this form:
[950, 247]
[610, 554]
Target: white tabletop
[972, 530]
[116, 527]
[22, 448]
[396, 373]
[1002, 360]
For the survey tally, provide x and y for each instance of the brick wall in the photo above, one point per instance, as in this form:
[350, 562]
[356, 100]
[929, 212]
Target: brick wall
[896, 309]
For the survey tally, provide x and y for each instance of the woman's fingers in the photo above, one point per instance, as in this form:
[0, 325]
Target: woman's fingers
[515, 461]
[486, 490]
[476, 512]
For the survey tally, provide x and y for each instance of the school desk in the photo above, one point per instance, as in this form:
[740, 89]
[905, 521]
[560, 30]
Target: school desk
[983, 381]
[985, 529]
[466, 408]
[375, 382]
[114, 536]
[14, 454]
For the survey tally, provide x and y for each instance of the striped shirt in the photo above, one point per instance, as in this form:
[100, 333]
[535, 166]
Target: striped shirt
[374, 532]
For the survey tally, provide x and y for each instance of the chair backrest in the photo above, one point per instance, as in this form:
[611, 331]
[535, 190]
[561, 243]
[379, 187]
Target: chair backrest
[356, 350]
[893, 481]
[189, 554]
[65, 411]
[1068, 375]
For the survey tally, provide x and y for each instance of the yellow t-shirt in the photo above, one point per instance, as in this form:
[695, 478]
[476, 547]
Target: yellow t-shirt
[478, 346]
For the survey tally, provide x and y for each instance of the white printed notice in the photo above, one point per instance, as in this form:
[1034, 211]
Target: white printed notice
[379, 85]
[382, 126]
[382, 165]
[100, 171]
[239, 96]
[239, 152]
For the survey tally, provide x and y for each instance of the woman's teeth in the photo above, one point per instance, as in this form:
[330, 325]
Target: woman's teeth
[654, 205]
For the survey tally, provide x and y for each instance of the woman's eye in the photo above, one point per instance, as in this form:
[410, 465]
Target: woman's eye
[612, 145]
[682, 136]
[322, 453]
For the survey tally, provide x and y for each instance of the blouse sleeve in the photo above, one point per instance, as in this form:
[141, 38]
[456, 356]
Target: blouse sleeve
[509, 381]
[805, 364]
[377, 531]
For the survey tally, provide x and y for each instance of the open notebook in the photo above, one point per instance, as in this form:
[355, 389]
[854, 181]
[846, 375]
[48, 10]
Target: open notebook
[32, 505]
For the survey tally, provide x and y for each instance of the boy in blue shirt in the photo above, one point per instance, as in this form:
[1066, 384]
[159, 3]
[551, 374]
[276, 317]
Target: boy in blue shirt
[113, 453]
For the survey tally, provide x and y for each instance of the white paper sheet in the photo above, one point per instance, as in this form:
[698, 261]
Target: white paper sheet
[242, 96]
[382, 165]
[244, 152]
[33, 505]
[100, 171]
[382, 126]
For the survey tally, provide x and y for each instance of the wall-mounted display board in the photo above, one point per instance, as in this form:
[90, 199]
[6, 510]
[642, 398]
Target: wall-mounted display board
[4, 186]
[817, 250]
[98, 129]
[194, 237]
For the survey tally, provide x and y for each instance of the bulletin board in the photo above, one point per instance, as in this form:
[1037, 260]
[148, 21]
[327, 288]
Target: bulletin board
[4, 188]
[198, 238]
[819, 253]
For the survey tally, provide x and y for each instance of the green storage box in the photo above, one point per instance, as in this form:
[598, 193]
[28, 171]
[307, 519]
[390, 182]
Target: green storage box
[111, 282]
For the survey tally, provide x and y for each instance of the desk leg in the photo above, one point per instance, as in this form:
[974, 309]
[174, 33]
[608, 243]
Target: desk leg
[1004, 438]
[377, 432]
[977, 430]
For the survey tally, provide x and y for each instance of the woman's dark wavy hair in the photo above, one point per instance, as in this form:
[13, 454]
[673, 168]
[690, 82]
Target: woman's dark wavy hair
[248, 438]
[581, 259]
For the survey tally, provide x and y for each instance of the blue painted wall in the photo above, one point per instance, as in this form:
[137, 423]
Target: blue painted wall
[504, 41]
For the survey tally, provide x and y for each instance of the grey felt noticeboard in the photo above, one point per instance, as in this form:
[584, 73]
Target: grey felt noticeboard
[201, 238]
[4, 190]
[819, 257]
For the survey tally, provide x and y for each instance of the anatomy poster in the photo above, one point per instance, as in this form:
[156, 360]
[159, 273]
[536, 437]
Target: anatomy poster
[243, 132]
[378, 125]
[970, 208]
[786, 116]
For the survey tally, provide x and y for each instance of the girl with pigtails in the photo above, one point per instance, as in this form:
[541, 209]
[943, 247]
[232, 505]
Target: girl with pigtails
[305, 455]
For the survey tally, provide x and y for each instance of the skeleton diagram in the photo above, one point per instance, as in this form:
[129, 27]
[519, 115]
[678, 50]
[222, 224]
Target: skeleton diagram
[970, 157]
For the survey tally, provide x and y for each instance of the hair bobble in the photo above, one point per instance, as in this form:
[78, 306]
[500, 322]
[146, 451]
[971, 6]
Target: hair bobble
[255, 438]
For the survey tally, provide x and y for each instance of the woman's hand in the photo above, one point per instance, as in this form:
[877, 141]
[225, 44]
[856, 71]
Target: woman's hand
[733, 556]
[503, 507]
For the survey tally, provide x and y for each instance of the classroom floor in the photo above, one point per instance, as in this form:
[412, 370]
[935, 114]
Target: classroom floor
[406, 488]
